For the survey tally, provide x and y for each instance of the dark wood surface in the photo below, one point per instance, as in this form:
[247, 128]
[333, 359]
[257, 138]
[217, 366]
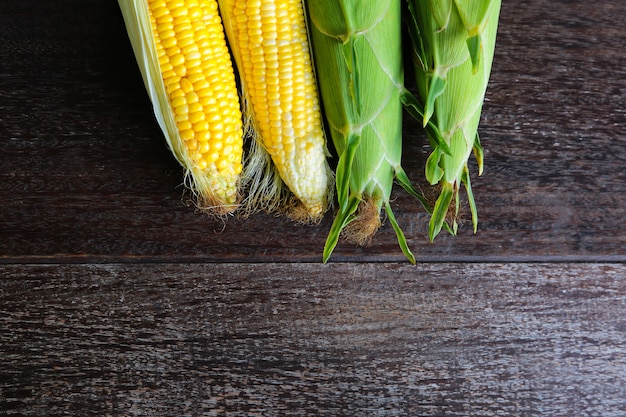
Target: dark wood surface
[118, 299]
[384, 339]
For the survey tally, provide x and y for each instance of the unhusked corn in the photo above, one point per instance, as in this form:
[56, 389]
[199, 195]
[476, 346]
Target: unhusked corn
[453, 58]
[358, 56]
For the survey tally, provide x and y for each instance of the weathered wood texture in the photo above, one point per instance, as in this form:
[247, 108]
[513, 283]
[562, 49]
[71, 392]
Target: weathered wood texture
[311, 340]
[85, 174]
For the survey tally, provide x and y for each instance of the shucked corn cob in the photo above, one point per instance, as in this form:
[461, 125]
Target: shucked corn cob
[454, 43]
[358, 55]
[185, 64]
[269, 42]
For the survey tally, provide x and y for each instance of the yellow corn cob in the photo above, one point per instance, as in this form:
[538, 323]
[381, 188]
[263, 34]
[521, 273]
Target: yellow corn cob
[269, 42]
[181, 50]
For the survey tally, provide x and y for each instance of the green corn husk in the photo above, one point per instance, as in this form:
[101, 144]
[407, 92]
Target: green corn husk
[359, 64]
[453, 49]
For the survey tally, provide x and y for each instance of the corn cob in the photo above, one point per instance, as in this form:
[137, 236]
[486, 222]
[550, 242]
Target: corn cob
[269, 42]
[181, 51]
[453, 48]
[359, 64]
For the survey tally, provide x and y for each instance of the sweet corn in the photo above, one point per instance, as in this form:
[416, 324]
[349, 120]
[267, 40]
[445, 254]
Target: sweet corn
[269, 42]
[182, 54]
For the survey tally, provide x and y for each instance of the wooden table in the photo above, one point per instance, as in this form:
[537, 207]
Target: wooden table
[118, 299]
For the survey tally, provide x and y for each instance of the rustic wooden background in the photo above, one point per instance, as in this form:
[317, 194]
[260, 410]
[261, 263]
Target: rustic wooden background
[117, 299]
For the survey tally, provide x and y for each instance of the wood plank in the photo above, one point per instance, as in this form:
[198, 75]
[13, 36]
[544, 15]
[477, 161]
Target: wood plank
[307, 339]
[85, 175]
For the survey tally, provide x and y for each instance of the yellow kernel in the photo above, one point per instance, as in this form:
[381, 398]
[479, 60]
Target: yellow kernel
[207, 100]
[168, 42]
[159, 11]
[196, 117]
[177, 59]
[187, 134]
[216, 144]
[182, 109]
[180, 70]
[222, 165]
[176, 94]
[195, 77]
[181, 117]
[185, 38]
[203, 146]
[192, 97]
[180, 25]
[194, 12]
[203, 136]
[273, 95]
[190, 48]
[186, 85]
[172, 50]
[164, 19]
[203, 164]
[184, 125]
[200, 126]
[213, 156]
[177, 8]
[169, 74]
[193, 67]
[193, 56]
[254, 20]
[178, 101]
[217, 125]
[192, 145]
[194, 108]
[214, 118]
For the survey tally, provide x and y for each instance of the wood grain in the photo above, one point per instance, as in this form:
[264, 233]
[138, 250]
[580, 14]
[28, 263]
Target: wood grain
[305, 339]
[86, 176]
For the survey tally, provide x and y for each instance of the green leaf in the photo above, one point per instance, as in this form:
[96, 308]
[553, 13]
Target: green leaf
[441, 11]
[399, 234]
[478, 154]
[342, 19]
[440, 211]
[414, 109]
[344, 169]
[416, 38]
[474, 45]
[465, 179]
[474, 14]
[434, 173]
[437, 86]
[341, 221]
[404, 181]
